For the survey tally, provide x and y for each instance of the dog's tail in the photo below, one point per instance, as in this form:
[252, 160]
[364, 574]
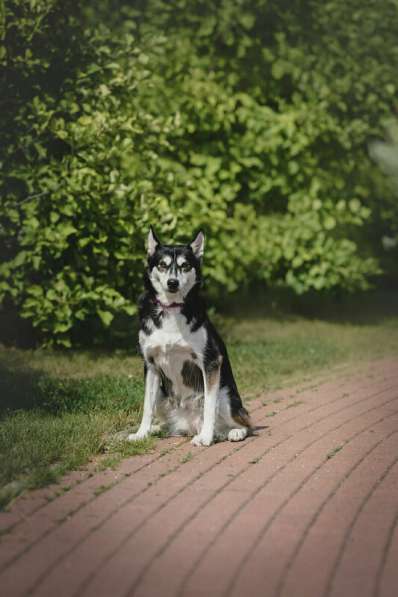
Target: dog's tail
[242, 417]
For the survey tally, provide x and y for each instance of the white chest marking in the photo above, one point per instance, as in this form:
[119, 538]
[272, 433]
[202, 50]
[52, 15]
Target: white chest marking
[174, 336]
[173, 344]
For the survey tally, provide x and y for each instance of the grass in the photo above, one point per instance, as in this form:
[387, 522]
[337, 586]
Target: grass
[59, 410]
[333, 452]
[295, 403]
[102, 488]
[188, 456]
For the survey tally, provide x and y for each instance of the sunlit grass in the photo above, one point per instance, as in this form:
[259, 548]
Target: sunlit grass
[279, 353]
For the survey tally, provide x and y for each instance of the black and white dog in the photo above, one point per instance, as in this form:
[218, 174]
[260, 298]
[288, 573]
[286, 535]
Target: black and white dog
[189, 385]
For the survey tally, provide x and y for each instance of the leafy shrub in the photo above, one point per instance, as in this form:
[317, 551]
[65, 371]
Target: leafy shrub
[253, 128]
[385, 154]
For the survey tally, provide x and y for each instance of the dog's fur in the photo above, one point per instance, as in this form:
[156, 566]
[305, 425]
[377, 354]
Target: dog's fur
[189, 385]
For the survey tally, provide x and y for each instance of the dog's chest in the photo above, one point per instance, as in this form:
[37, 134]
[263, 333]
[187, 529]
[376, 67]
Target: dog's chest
[172, 346]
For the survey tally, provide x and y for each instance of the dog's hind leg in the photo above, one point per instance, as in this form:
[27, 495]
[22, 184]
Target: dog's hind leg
[242, 418]
[237, 435]
[233, 421]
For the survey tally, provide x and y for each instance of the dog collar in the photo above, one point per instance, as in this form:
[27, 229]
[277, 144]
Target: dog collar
[170, 306]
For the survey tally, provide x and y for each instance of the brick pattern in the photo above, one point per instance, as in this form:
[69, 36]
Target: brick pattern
[306, 507]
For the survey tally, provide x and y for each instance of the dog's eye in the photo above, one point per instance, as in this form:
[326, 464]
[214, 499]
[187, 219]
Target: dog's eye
[162, 266]
[186, 267]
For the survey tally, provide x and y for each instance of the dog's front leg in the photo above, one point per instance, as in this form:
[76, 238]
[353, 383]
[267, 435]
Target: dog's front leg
[152, 384]
[211, 376]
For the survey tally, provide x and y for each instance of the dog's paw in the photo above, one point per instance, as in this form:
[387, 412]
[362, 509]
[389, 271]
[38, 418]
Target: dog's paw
[136, 437]
[236, 435]
[201, 440]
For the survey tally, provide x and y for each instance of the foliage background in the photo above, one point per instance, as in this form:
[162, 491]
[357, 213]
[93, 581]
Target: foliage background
[251, 120]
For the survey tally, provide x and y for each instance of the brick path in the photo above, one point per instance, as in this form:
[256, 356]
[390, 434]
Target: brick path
[306, 508]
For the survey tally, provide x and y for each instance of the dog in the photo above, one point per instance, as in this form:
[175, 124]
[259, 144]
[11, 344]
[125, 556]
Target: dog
[189, 385]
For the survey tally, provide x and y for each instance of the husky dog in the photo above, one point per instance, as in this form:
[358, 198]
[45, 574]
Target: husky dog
[189, 385]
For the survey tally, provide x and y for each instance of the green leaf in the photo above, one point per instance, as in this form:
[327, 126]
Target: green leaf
[106, 317]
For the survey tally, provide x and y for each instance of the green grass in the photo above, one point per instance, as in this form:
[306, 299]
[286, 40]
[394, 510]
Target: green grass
[188, 456]
[333, 452]
[59, 410]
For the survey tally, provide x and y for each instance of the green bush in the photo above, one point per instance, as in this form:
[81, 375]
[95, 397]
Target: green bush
[386, 154]
[250, 120]
[385, 210]
[69, 208]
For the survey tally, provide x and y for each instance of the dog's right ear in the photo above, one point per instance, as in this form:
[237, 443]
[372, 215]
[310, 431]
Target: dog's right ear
[152, 242]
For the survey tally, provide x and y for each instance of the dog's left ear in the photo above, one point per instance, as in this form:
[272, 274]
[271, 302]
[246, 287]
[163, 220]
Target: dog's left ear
[198, 245]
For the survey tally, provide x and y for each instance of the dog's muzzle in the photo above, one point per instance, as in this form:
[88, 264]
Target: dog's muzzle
[172, 284]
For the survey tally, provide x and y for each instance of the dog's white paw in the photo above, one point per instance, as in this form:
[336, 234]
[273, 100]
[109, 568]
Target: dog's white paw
[236, 435]
[201, 440]
[135, 437]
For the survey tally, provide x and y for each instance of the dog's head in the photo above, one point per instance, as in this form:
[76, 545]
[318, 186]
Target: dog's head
[174, 270]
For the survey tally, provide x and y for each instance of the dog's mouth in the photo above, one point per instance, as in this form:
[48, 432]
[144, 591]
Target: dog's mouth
[173, 290]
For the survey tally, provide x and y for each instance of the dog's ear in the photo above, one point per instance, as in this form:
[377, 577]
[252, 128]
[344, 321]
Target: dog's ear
[152, 242]
[198, 245]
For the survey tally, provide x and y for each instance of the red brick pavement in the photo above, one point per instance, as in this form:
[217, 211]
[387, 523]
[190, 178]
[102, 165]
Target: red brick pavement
[308, 507]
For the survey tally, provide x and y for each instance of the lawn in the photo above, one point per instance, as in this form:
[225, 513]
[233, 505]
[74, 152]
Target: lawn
[59, 410]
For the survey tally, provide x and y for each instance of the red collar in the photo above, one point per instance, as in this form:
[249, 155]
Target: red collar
[170, 306]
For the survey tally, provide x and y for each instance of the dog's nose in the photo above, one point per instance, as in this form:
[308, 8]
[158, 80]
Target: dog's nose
[172, 284]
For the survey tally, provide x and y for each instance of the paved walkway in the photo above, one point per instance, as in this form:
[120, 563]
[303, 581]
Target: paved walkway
[306, 508]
